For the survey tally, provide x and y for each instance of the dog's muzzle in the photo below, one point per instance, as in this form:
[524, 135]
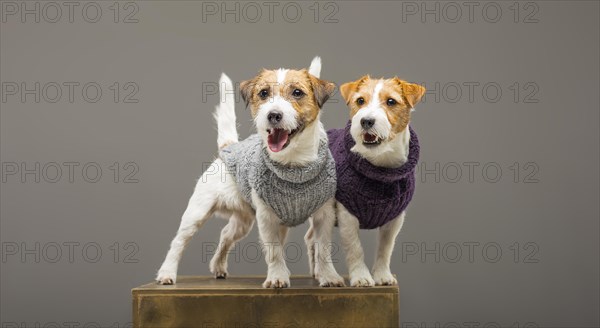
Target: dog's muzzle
[278, 137]
[369, 137]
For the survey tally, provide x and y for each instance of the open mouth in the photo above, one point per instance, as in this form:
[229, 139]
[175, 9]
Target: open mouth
[371, 139]
[278, 139]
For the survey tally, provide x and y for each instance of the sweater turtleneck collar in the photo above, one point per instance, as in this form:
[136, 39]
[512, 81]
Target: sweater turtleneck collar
[299, 174]
[364, 167]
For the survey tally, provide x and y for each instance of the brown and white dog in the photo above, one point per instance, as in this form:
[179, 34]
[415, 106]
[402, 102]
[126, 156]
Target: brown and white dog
[291, 138]
[380, 111]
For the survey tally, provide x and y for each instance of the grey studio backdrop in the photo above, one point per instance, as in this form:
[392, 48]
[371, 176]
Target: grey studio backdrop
[503, 230]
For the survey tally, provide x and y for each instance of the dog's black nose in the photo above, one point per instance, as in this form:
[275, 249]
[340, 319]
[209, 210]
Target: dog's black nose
[274, 117]
[367, 123]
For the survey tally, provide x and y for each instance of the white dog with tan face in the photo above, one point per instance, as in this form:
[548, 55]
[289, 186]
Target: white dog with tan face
[376, 155]
[280, 177]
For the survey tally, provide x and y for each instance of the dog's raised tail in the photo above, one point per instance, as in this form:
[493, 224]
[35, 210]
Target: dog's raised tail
[225, 113]
[315, 67]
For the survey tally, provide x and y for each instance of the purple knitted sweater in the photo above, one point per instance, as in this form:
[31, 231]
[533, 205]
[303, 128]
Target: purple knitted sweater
[375, 195]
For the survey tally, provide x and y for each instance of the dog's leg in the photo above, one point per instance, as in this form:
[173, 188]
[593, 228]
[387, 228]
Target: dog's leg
[355, 257]
[272, 238]
[238, 227]
[283, 233]
[200, 207]
[323, 222]
[387, 239]
[195, 214]
[310, 246]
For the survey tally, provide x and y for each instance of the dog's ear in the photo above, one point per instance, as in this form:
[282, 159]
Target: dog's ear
[322, 89]
[347, 89]
[246, 89]
[412, 92]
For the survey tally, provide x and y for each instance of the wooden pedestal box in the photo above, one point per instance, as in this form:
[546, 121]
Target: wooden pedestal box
[241, 302]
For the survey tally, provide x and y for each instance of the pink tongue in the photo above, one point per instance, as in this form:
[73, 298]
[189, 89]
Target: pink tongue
[277, 139]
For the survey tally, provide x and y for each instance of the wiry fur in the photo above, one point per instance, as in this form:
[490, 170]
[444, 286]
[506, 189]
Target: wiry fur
[315, 67]
[218, 193]
[225, 113]
[392, 153]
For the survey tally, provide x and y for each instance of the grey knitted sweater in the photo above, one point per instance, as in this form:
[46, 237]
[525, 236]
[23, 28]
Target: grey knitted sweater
[294, 193]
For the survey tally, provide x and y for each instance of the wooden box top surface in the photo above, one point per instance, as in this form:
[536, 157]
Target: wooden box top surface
[252, 285]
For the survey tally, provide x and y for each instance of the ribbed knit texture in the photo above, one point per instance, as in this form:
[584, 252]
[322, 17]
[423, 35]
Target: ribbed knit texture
[294, 193]
[375, 195]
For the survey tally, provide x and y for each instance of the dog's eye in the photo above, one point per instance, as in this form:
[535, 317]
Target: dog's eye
[360, 101]
[297, 93]
[391, 102]
[263, 94]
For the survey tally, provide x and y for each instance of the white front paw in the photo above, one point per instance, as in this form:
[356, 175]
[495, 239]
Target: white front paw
[276, 283]
[166, 277]
[277, 279]
[331, 280]
[362, 281]
[384, 278]
[361, 278]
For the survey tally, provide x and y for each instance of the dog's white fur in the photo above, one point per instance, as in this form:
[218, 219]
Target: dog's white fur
[225, 112]
[215, 195]
[315, 67]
